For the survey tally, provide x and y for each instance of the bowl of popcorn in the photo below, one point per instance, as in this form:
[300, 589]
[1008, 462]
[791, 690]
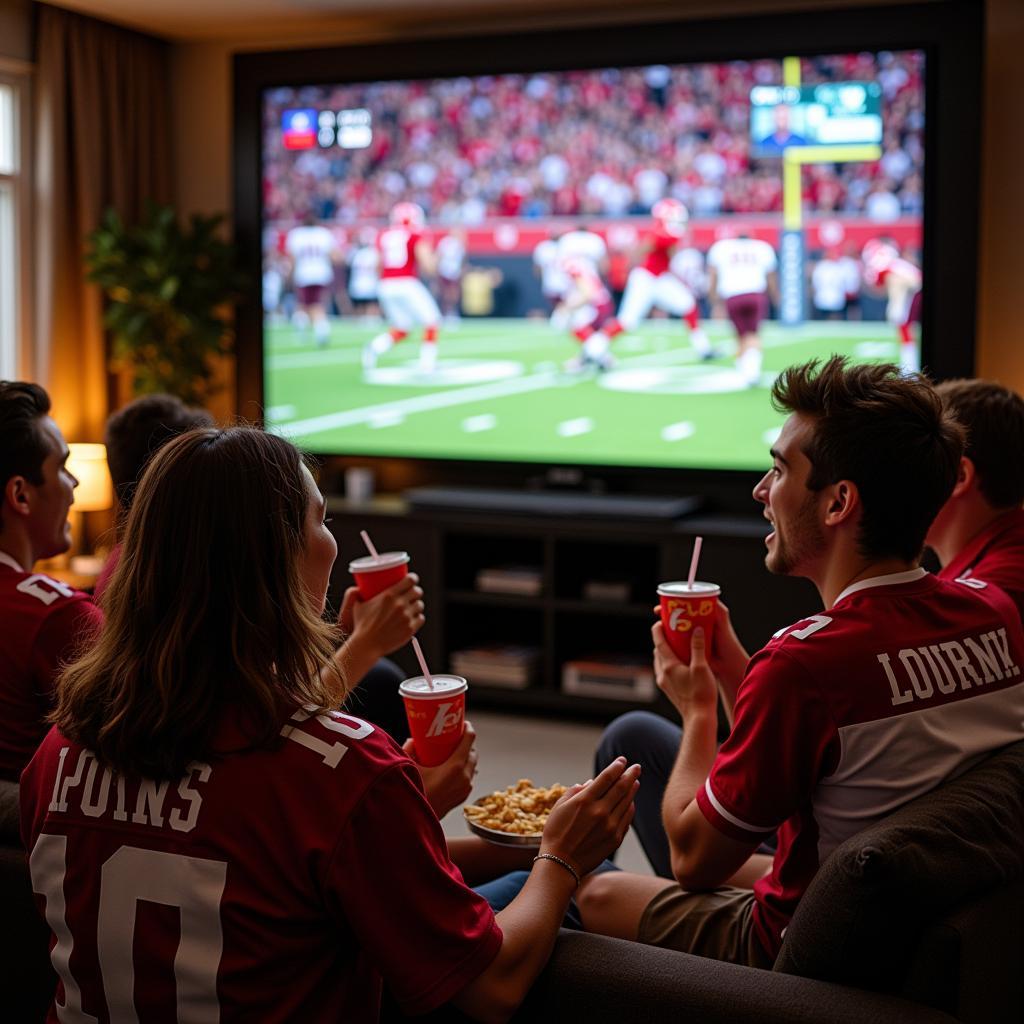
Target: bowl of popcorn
[514, 816]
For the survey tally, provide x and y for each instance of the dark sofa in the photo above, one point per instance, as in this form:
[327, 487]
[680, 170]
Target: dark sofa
[918, 919]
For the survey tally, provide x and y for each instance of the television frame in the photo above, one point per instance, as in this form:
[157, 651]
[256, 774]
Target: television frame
[950, 32]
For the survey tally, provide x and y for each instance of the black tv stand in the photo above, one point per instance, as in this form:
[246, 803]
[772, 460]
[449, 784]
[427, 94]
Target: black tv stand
[573, 589]
[553, 503]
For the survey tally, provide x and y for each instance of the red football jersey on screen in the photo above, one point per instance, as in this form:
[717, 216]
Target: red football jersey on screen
[266, 885]
[397, 247]
[996, 556]
[844, 717]
[660, 253]
[44, 623]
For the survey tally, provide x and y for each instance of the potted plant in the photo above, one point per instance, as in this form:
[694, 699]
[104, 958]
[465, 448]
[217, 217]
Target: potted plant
[170, 291]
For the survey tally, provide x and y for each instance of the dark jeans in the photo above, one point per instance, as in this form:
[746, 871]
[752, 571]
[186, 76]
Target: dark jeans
[500, 892]
[652, 742]
[376, 699]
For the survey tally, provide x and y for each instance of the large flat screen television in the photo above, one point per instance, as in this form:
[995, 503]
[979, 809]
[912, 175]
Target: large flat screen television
[597, 248]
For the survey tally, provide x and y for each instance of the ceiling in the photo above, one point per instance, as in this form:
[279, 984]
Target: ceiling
[281, 20]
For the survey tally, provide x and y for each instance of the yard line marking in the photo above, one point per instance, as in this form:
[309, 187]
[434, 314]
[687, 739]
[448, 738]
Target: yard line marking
[278, 412]
[573, 428]
[421, 403]
[769, 437]
[386, 419]
[506, 388]
[678, 431]
[475, 424]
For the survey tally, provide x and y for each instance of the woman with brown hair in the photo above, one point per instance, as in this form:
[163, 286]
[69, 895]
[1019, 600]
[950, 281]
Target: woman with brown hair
[204, 834]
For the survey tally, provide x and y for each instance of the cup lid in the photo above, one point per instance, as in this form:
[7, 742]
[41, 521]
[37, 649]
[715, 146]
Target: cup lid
[444, 685]
[681, 588]
[385, 560]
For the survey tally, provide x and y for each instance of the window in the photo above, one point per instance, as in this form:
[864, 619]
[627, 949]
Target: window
[14, 278]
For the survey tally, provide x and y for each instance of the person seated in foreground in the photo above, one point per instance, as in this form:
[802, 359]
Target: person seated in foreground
[206, 834]
[372, 629]
[902, 682]
[44, 621]
[979, 532]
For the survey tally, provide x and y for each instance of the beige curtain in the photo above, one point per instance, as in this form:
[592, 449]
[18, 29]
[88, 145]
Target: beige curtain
[102, 123]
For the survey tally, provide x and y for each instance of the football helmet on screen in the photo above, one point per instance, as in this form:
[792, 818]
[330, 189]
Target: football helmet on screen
[671, 215]
[408, 215]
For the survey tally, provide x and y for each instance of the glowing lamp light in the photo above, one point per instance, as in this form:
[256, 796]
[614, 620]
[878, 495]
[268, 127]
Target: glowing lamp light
[88, 463]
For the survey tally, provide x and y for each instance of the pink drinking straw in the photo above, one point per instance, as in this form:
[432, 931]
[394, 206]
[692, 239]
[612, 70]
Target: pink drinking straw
[694, 560]
[423, 662]
[368, 543]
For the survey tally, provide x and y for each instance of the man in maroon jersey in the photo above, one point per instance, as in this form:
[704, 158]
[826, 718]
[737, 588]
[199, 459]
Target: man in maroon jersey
[844, 716]
[979, 532]
[44, 621]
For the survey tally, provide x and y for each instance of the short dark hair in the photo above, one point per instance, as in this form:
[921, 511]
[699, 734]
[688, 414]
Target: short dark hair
[136, 432]
[23, 445]
[887, 433]
[993, 417]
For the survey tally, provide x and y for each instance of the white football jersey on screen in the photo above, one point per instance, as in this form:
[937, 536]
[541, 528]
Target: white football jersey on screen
[311, 247]
[743, 265]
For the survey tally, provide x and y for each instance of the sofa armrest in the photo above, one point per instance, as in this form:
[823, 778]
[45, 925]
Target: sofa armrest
[594, 978]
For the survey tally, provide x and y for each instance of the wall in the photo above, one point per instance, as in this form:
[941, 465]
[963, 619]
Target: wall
[202, 127]
[16, 29]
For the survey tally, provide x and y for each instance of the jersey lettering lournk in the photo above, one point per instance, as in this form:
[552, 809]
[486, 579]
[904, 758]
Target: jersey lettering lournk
[841, 719]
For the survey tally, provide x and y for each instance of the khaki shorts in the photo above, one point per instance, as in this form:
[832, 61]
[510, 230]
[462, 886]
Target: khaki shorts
[717, 924]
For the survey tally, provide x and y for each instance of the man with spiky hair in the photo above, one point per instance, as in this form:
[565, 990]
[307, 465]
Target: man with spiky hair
[842, 717]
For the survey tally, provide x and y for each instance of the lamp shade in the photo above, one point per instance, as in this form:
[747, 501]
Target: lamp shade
[88, 463]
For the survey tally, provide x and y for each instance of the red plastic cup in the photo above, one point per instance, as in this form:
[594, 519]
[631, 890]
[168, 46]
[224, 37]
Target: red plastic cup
[684, 607]
[437, 717]
[373, 575]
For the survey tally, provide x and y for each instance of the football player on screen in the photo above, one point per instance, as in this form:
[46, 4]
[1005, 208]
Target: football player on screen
[585, 306]
[884, 268]
[404, 299]
[313, 251]
[742, 273]
[654, 284]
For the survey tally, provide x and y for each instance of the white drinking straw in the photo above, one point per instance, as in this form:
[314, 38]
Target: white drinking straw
[423, 662]
[693, 560]
[368, 543]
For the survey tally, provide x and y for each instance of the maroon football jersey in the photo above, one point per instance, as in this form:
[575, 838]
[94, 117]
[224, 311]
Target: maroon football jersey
[845, 716]
[996, 555]
[45, 623]
[272, 885]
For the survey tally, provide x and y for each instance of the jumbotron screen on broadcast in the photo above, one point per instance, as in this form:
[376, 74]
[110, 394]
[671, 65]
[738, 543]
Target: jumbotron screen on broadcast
[598, 267]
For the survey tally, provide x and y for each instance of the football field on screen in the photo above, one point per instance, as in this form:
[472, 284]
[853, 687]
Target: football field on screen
[500, 392]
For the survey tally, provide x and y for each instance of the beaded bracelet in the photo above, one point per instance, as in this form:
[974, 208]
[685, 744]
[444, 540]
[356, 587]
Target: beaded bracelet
[558, 860]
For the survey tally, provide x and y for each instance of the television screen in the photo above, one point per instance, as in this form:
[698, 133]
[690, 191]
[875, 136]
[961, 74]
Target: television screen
[603, 267]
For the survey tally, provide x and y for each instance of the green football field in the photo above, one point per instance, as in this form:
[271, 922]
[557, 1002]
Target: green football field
[500, 392]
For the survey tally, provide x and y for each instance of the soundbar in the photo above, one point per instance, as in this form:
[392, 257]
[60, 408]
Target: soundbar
[552, 503]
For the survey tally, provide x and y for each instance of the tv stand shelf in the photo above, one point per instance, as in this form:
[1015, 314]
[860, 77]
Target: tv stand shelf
[570, 557]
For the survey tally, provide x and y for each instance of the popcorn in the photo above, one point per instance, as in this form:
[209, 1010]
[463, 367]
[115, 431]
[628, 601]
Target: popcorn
[521, 809]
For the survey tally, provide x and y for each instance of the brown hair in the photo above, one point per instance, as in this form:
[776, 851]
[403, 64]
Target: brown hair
[994, 419]
[141, 428]
[206, 612]
[887, 433]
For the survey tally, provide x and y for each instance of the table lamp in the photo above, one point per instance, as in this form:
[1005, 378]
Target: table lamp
[94, 493]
